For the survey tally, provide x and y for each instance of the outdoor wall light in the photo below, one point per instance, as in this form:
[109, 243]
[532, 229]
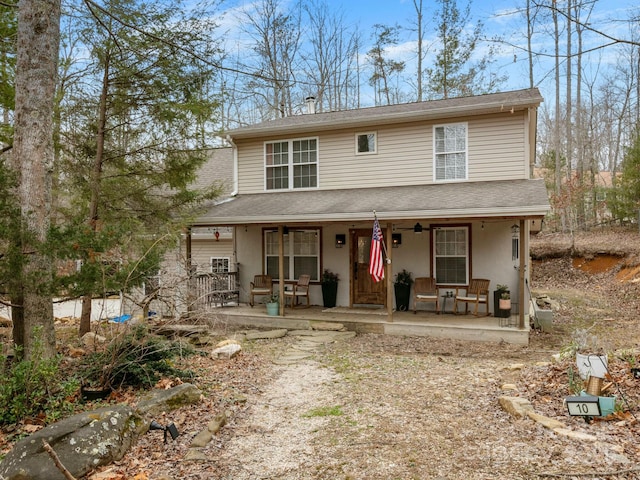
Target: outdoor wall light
[285, 230]
[396, 239]
[341, 240]
[417, 228]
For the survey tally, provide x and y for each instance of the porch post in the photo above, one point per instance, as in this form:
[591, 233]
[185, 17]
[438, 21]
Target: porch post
[389, 269]
[522, 276]
[281, 268]
[189, 268]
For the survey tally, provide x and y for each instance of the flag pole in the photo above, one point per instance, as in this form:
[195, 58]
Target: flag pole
[384, 246]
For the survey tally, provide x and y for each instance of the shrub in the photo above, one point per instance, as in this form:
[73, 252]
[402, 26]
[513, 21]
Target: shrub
[30, 388]
[136, 358]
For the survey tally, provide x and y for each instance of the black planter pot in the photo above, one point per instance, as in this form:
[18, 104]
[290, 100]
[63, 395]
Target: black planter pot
[329, 294]
[498, 312]
[403, 293]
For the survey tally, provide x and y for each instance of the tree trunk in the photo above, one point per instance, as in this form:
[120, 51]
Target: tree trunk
[32, 158]
[96, 179]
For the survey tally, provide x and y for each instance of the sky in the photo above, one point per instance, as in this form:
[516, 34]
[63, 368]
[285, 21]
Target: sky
[500, 17]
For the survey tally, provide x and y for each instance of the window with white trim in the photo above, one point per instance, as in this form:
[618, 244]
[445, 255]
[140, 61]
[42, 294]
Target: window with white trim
[366, 143]
[301, 254]
[220, 264]
[451, 255]
[291, 164]
[450, 151]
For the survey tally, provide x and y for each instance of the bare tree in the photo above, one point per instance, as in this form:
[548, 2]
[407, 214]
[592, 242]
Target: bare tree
[420, 48]
[276, 40]
[331, 57]
[32, 160]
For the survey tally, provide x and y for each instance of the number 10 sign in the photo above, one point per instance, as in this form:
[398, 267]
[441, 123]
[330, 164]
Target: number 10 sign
[583, 406]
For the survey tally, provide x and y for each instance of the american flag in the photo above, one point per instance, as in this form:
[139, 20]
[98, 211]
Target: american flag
[376, 263]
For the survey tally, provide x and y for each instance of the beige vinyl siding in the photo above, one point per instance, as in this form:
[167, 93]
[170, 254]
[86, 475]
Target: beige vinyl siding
[203, 250]
[497, 148]
[404, 156]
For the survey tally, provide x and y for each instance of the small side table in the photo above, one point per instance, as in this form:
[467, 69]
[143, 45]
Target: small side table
[443, 307]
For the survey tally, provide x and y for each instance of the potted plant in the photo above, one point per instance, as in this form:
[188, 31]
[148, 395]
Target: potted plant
[502, 301]
[273, 304]
[505, 301]
[402, 288]
[329, 288]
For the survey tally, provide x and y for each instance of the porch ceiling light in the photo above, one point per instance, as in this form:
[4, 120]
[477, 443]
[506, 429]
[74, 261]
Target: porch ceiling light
[417, 228]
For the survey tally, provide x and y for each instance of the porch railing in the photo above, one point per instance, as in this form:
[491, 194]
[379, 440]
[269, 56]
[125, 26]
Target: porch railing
[212, 289]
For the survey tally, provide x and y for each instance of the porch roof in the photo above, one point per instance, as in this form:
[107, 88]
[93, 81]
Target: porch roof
[506, 198]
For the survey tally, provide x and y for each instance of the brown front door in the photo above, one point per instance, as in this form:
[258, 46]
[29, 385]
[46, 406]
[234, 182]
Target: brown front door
[363, 289]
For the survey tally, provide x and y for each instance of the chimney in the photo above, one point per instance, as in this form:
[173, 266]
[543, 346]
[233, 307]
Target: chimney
[311, 104]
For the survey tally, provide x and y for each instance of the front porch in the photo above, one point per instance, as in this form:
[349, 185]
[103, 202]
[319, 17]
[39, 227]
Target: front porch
[371, 320]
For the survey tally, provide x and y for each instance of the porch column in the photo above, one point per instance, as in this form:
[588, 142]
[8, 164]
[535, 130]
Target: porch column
[189, 268]
[389, 269]
[281, 268]
[522, 275]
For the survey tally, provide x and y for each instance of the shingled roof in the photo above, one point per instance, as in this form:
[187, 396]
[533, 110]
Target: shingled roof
[406, 112]
[506, 198]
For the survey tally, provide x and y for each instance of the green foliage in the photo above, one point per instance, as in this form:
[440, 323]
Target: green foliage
[404, 278]
[335, 411]
[136, 358]
[8, 35]
[455, 72]
[626, 202]
[329, 277]
[34, 388]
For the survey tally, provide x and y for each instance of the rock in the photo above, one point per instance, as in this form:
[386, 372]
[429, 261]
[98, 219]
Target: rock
[195, 455]
[228, 341]
[327, 326]
[82, 442]
[159, 401]
[266, 335]
[217, 423]
[508, 386]
[565, 432]
[201, 439]
[516, 366]
[92, 339]
[546, 422]
[227, 351]
[516, 406]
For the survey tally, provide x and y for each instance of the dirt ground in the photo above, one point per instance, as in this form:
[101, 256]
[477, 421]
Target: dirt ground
[384, 407]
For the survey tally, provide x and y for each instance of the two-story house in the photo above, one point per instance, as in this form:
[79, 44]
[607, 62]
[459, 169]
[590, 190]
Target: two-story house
[449, 181]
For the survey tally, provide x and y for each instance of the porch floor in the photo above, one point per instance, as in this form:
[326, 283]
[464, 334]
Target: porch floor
[372, 320]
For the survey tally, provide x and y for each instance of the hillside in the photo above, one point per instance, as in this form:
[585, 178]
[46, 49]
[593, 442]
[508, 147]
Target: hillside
[594, 280]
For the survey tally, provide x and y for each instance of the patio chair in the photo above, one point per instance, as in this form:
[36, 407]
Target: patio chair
[477, 292]
[300, 289]
[261, 286]
[425, 290]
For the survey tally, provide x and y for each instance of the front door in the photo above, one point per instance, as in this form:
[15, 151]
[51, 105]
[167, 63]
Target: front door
[363, 289]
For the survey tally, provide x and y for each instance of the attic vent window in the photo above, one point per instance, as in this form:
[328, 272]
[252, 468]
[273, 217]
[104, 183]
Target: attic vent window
[366, 143]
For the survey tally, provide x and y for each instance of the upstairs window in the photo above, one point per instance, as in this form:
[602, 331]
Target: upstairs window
[366, 143]
[291, 164]
[450, 151]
